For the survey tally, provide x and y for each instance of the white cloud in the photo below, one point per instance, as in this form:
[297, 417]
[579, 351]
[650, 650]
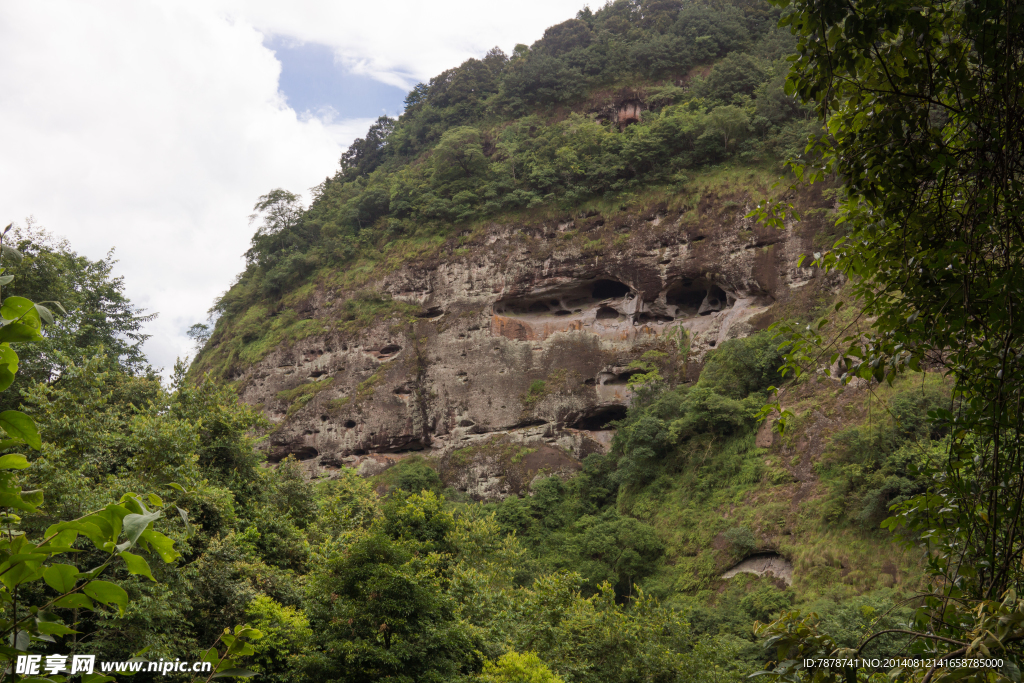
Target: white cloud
[402, 42]
[153, 126]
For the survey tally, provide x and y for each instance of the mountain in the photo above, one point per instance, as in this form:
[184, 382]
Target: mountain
[539, 290]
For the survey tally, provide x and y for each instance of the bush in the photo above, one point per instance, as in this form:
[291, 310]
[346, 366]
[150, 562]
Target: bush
[513, 667]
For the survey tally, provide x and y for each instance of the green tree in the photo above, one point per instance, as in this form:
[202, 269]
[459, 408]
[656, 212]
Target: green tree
[379, 605]
[920, 103]
[731, 122]
[366, 154]
[460, 150]
[513, 667]
[33, 616]
[94, 313]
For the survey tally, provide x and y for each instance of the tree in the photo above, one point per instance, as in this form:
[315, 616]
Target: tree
[513, 667]
[564, 37]
[460, 149]
[30, 616]
[921, 104]
[281, 211]
[737, 74]
[378, 604]
[366, 154]
[731, 121]
[94, 311]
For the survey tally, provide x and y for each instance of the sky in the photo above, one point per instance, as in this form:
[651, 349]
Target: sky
[153, 126]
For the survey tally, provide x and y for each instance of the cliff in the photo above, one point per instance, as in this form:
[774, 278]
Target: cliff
[527, 333]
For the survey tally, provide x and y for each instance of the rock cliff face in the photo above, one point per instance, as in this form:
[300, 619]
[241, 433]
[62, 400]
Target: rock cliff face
[512, 347]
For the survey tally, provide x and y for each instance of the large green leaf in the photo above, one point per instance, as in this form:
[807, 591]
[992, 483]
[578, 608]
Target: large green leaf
[21, 500]
[134, 524]
[21, 309]
[61, 577]
[8, 366]
[13, 461]
[19, 332]
[18, 425]
[6, 377]
[11, 252]
[24, 571]
[163, 545]
[108, 593]
[88, 529]
[75, 601]
[54, 628]
[137, 565]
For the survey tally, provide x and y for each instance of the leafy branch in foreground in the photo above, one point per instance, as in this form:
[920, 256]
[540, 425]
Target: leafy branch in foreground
[921, 104]
[30, 616]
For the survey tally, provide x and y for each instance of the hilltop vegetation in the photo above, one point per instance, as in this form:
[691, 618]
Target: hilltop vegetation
[539, 131]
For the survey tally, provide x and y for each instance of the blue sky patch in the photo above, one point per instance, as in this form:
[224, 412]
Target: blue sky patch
[311, 80]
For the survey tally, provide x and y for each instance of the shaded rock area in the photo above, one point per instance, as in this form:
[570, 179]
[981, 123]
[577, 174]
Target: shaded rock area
[524, 336]
[506, 464]
[765, 563]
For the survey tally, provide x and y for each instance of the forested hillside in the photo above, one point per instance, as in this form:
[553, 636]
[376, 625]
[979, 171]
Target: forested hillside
[565, 376]
[603, 111]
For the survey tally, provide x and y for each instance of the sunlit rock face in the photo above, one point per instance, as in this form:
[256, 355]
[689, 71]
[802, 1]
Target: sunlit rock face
[527, 333]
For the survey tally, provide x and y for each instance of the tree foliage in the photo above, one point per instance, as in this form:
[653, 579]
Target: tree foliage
[94, 312]
[920, 103]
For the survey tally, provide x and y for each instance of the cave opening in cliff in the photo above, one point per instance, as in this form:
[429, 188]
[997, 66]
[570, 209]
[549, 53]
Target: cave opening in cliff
[605, 313]
[688, 298]
[609, 289]
[598, 417]
[716, 300]
[306, 453]
[570, 298]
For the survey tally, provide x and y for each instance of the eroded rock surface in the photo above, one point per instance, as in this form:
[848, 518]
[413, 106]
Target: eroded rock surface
[527, 334]
[765, 563]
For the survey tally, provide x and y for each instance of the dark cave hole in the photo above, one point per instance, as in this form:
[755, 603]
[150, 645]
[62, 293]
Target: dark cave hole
[605, 313]
[562, 312]
[716, 300]
[599, 417]
[390, 349]
[538, 307]
[616, 378]
[349, 424]
[359, 451]
[306, 453]
[609, 289]
[686, 295]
